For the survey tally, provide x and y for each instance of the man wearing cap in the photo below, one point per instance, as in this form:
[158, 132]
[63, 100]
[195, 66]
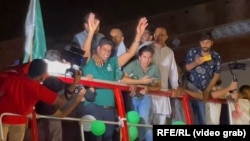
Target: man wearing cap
[203, 65]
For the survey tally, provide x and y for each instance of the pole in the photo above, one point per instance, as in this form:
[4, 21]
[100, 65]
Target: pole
[122, 114]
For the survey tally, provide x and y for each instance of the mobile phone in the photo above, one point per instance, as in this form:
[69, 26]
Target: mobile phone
[207, 58]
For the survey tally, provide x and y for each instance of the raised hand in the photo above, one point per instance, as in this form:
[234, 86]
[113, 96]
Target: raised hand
[93, 23]
[143, 23]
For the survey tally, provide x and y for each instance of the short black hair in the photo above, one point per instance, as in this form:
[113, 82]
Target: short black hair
[107, 41]
[151, 29]
[243, 89]
[206, 36]
[147, 48]
[37, 68]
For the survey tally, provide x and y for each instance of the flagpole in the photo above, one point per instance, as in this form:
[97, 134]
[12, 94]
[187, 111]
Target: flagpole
[31, 45]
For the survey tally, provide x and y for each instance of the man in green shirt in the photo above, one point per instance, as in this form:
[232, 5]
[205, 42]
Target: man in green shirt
[142, 101]
[103, 106]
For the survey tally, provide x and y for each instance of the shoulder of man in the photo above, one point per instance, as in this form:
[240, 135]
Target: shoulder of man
[100, 35]
[168, 48]
[194, 50]
[130, 65]
[80, 35]
[214, 53]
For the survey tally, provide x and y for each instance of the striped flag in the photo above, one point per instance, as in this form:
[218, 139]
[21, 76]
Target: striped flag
[35, 43]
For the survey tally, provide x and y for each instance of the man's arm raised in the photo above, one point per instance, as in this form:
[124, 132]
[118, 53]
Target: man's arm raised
[93, 24]
[124, 58]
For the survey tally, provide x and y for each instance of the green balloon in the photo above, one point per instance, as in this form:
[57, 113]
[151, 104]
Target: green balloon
[178, 123]
[98, 128]
[133, 132]
[133, 117]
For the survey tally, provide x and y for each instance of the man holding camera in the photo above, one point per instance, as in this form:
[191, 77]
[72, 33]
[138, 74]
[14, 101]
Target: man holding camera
[50, 129]
[19, 93]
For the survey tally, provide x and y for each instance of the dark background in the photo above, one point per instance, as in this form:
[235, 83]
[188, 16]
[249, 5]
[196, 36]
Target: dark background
[183, 19]
[64, 17]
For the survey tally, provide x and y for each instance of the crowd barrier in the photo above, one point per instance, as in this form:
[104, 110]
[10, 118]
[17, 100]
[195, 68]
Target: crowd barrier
[118, 88]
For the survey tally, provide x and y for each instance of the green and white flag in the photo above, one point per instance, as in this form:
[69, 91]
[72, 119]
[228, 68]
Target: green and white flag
[35, 43]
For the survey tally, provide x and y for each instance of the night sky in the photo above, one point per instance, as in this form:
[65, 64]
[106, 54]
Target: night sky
[64, 17]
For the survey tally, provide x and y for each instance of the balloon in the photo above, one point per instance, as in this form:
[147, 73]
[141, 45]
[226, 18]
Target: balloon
[178, 123]
[133, 132]
[86, 124]
[133, 117]
[98, 128]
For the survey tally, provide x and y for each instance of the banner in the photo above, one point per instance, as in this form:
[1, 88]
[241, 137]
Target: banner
[35, 43]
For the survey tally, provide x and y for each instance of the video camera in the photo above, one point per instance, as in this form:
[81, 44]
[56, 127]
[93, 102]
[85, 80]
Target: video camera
[74, 55]
[72, 71]
[78, 88]
[235, 66]
[89, 95]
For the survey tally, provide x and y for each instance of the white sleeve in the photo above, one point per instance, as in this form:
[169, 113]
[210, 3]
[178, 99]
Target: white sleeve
[173, 73]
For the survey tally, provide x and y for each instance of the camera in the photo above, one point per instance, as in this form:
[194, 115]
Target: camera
[74, 55]
[72, 71]
[89, 95]
[78, 89]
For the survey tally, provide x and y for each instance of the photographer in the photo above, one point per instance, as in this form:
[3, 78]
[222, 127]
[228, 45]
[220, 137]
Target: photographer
[19, 93]
[50, 129]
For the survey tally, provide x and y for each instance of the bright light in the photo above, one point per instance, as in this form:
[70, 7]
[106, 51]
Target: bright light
[57, 67]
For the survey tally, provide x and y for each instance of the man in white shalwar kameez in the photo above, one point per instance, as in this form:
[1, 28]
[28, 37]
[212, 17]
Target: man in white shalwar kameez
[164, 58]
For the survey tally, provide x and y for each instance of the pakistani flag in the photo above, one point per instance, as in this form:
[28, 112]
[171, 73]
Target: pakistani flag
[35, 43]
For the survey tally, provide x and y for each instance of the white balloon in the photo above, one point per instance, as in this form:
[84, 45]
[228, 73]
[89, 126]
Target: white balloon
[86, 122]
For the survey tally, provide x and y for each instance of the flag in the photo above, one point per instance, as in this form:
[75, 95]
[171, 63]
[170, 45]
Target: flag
[35, 43]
